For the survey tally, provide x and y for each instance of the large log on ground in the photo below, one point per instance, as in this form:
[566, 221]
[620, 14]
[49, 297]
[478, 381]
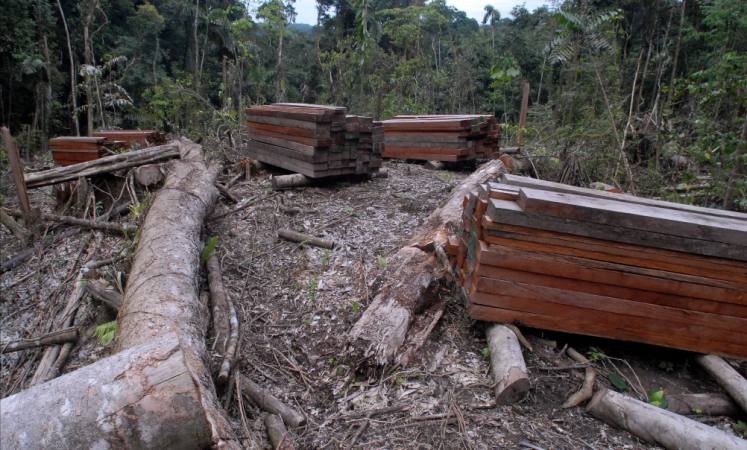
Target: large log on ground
[161, 295]
[507, 365]
[145, 397]
[659, 426]
[413, 276]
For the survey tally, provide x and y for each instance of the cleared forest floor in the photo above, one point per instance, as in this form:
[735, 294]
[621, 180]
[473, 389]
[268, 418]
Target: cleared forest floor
[297, 303]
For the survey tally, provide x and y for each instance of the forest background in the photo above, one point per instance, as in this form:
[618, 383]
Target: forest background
[650, 96]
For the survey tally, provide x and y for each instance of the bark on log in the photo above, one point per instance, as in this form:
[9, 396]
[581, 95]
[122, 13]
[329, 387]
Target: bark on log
[729, 379]
[702, 404]
[278, 434]
[413, 277]
[289, 181]
[302, 238]
[102, 165]
[101, 292]
[53, 338]
[659, 426]
[124, 228]
[268, 402]
[145, 397]
[507, 365]
[232, 345]
[161, 295]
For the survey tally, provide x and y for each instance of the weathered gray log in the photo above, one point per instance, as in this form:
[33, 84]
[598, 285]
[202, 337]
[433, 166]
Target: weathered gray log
[124, 228]
[289, 181]
[221, 314]
[268, 402]
[102, 165]
[302, 238]
[659, 426]
[149, 175]
[145, 397]
[413, 277]
[702, 404]
[507, 365]
[278, 434]
[53, 338]
[587, 388]
[726, 376]
[161, 295]
[100, 291]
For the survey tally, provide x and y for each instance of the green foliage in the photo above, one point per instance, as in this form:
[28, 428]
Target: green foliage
[618, 382]
[106, 332]
[356, 307]
[485, 352]
[325, 258]
[658, 398]
[313, 289]
[209, 248]
[595, 354]
[382, 261]
[741, 428]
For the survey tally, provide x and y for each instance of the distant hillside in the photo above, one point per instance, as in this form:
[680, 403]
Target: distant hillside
[301, 27]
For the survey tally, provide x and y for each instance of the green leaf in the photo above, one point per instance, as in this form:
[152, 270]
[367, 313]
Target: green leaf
[106, 332]
[618, 382]
[657, 398]
[209, 248]
[485, 352]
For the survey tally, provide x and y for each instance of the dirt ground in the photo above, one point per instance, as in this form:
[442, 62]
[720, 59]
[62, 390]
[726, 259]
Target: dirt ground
[297, 303]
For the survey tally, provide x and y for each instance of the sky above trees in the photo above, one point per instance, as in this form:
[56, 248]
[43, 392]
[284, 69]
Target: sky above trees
[306, 9]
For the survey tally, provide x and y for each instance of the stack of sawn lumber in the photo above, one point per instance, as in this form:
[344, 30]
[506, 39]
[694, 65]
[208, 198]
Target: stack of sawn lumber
[449, 138]
[576, 260]
[314, 140]
[129, 138]
[67, 150]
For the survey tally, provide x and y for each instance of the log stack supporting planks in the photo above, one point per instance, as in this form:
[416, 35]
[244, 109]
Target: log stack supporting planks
[449, 138]
[314, 140]
[604, 264]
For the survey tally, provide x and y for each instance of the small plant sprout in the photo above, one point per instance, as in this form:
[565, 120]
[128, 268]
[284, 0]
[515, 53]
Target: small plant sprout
[657, 398]
[106, 332]
[209, 248]
[313, 288]
[382, 262]
[325, 258]
[349, 210]
[485, 352]
[356, 307]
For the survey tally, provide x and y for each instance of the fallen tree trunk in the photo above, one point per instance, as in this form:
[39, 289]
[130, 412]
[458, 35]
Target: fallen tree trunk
[161, 295]
[302, 238]
[659, 426]
[124, 228]
[702, 404]
[141, 398]
[156, 392]
[53, 338]
[102, 165]
[17, 259]
[729, 379]
[507, 364]
[413, 277]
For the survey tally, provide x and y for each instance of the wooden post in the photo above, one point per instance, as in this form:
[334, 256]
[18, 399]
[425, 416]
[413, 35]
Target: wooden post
[17, 167]
[523, 113]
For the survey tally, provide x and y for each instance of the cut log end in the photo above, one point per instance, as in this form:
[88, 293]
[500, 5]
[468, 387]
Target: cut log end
[507, 364]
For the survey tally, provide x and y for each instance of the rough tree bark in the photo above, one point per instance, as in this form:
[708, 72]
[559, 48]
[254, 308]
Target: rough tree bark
[413, 277]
